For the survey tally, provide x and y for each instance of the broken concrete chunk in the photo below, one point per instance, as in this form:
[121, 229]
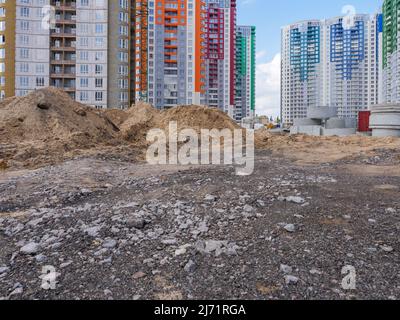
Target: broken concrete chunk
[30, 248]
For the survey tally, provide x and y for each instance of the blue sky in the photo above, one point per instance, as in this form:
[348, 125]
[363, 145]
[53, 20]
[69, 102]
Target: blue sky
[269, 16]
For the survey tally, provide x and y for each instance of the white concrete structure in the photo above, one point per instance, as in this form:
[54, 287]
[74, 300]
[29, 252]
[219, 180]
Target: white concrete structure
[385, 120]
[323, 121]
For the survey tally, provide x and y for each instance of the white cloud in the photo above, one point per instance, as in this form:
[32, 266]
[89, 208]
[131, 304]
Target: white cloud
[261, 54]
[269, 87]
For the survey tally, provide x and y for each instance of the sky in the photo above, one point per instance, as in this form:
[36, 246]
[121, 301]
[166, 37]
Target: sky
[269, 16]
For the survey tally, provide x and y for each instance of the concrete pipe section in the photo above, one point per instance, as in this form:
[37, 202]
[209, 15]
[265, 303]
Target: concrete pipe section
[385, 120]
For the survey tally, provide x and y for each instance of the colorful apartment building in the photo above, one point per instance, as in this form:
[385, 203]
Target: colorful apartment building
[301, 73]
[7, 48]
[332, 62]
[245, 90]
[140, 41]
[220, 54]
[176, 57]
[352, 74]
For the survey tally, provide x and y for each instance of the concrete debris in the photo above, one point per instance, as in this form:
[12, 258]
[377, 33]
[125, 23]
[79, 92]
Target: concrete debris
[210, 198]
[139, 275]
[297, 200]
[290, 228]
[190, 267]
[291, 280]
[182, 250]
[4, 270]
[387, 248]
[92, 231]
[110, 244]
[286, 269]
[135, 222]
[30, 248]
[217, 247]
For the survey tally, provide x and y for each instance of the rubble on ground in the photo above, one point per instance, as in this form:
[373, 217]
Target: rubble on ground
[122, 230]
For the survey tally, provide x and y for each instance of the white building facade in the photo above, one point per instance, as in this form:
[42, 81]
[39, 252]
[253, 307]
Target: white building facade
[332, 62]
[32, 46]
[391, 52]
[81, 46]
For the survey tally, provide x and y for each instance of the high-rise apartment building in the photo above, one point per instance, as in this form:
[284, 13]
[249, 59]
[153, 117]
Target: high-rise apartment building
[24, 47]
[82, 46]
[245, 72]
[301, 70]
[352, 63]
[176, 67]
[220, 54]
[391, 51]
[333, 62]
[191, 53]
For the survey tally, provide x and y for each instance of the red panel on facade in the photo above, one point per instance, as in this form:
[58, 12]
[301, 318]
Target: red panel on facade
[363, 121]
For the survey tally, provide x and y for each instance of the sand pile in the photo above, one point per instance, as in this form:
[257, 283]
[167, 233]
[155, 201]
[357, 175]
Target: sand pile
[117, 116]
[51, 115]
[143, 117]
[197, 118]
[309, 149]
[47, 125]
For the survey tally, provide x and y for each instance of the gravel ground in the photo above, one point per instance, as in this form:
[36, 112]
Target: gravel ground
[117, 230]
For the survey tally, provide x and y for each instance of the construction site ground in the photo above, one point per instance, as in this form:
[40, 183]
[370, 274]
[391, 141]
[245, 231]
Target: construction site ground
[122, 230]
[318, 219]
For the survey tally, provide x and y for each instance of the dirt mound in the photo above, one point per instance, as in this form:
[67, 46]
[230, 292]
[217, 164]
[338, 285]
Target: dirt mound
[50, 115]
[197, 118]
[117, 116]
[143, 117]
[309, 149]
[140, 119]
[47, 124]
[47, 127]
